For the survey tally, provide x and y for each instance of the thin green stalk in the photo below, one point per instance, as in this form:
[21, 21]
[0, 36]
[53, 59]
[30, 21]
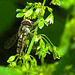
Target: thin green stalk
[44, 2]
[42, 60]
[23, 59]
[47, 39]
[32, 41]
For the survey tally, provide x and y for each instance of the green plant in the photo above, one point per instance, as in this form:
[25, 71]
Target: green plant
[35, 11]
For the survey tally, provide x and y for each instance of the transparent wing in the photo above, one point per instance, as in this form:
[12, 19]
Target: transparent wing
[10, 41]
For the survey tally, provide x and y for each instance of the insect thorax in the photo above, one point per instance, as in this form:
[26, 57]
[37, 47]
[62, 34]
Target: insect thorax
[25, 27]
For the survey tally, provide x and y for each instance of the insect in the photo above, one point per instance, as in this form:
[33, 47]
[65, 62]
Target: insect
[23, 34]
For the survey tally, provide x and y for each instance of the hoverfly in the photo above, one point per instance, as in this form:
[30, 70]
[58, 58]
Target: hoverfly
[23, 33]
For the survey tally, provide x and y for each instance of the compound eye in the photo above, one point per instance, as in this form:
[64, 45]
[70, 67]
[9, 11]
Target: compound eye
[26, 23]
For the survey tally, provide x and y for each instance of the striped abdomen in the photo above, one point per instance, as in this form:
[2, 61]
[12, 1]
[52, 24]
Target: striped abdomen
[19, 45]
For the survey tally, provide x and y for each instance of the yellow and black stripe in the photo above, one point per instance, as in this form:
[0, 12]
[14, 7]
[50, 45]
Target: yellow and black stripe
[19, 45]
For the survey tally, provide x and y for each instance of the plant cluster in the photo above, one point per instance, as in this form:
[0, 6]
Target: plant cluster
[35, 11]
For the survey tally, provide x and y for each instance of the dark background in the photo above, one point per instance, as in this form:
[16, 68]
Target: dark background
[9, 25]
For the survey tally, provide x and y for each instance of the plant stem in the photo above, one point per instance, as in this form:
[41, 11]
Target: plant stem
[42, 60]
[44, 2]
[47, 39]
[23, 59]
[32, 41]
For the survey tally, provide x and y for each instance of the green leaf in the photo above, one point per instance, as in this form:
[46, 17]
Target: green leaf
[30, 4]
[42, 12]
[27, 42]
[40, 54]
[55, 53]
[49, 9]
[8, 71]
[46, 50]
[56, 2]
[13, 64]
[50, 19]
[24, 10]
[19, 10]
[29, 13]
[33, 61]
[41, 24]
[19, 15]
[38, 47]
[50, 48]
[37, 11]
[36, 38]
[46, 22]
[42, 44]
[27, 57]
[34, 16]
[43, 55]
[11, 58]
